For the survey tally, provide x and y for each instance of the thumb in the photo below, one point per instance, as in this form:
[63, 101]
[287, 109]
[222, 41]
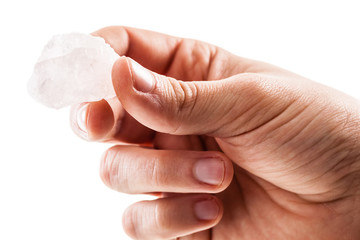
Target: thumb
[222, 108]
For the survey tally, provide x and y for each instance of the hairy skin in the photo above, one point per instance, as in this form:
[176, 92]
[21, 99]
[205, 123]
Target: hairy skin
[294, 143]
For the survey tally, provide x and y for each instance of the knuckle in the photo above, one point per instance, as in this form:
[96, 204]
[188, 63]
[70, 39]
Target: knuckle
[157, 175]
[104, 168]
[254, 84]
[129, 223]
[187, 97]
[161, 222]
[199, 58]
[144, 221]
[110, 170]
[183, 99]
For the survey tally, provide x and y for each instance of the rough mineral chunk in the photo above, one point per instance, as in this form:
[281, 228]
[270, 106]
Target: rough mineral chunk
[73, 68]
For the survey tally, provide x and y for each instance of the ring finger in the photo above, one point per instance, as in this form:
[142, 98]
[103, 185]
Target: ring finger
[172, 217]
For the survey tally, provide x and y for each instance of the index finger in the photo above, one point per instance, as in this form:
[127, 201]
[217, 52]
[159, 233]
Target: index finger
[180, 58]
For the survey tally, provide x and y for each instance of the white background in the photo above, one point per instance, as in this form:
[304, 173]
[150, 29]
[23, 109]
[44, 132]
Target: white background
[49, 182]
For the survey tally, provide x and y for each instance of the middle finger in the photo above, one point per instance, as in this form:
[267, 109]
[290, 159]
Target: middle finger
[132, 169]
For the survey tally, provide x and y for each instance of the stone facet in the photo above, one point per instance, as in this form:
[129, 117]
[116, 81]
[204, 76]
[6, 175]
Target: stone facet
[73, 68]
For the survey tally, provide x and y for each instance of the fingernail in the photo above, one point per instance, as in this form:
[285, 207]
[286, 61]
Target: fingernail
[78, 120]
[206, 210]
[81, 117]
[143, 79]
[210, 171]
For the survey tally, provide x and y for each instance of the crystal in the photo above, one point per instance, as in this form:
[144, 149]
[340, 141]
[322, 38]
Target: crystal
[73, 68]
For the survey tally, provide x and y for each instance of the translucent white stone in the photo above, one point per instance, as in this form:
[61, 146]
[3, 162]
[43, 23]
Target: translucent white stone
[73, 68]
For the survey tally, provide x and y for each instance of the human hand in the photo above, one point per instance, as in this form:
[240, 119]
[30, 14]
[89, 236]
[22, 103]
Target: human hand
[238, 149]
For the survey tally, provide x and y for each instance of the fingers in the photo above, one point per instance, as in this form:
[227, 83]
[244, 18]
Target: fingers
[155, 50]
[176, 57]
[172, 217]
[89, 125]
[223, 108]
[107, 121]
[180, 58]
[139, 170]
[180, 142]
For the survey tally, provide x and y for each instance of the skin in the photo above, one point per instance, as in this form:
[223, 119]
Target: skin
[290, 147]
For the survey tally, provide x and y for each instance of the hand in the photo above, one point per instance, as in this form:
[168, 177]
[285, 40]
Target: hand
[238, 149]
